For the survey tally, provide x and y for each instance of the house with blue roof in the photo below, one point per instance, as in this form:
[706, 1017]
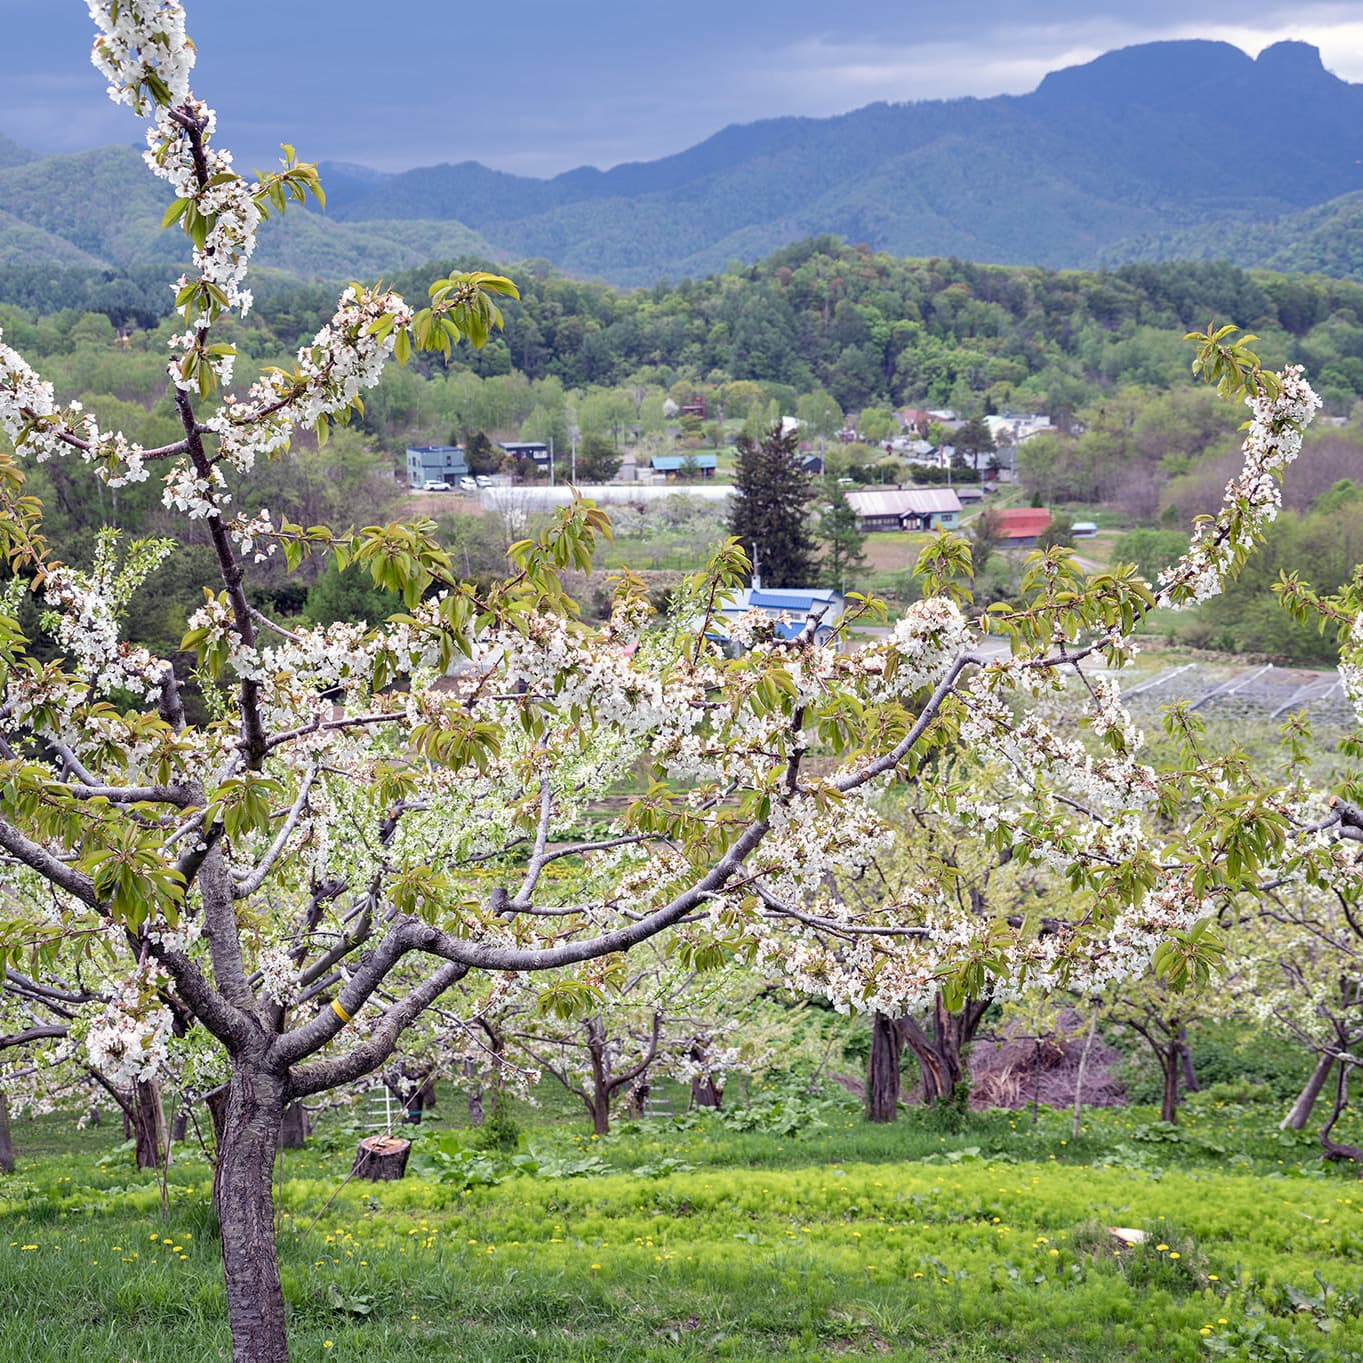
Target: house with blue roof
[675, 465]
[789, 608]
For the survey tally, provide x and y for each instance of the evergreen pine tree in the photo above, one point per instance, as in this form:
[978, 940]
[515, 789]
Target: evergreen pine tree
[771, 509]
[839, 532]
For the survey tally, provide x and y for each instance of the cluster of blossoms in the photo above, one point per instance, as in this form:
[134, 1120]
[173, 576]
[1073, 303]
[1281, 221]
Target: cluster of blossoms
[1253, 497]
[813, 840]
[224, 200]
[277, 976]
[31, 418]
[84, 615]
[348, 354]
[130, 1038]
[931, 635]
[142, 43]
[254, 535]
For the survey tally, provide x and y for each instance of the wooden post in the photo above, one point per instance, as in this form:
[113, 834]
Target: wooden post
[381, 1158]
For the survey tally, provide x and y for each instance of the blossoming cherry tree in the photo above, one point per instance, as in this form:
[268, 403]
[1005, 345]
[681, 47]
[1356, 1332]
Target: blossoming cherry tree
[338, 844]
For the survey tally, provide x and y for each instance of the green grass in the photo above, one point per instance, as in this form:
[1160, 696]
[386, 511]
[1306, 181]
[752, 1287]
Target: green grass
[839, 1240]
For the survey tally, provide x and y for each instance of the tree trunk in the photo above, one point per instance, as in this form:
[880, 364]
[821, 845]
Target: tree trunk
[475, 1090]
[1079, 1078]
[248, 1139]
[1300, 1112]
[1169, 1102]
[595, 1029]
[295, 1128]
[941, 1057]
[416, 1102]
[601, 1111]
[6, 1143]
[1185, 1059]
[882, 1070]
[1333, 1149]
[706, 1093]
[179, 1124]
[149, 1124]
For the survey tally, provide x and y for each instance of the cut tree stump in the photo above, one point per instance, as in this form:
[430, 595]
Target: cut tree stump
[381, 1158]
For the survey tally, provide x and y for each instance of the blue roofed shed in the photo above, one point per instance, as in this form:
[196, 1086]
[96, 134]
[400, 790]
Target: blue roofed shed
[672, 465]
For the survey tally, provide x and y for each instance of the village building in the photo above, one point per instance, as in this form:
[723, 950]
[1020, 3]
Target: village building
[681, 465]
[912, 508]
[534, 450]
[789, 608]
[1014, 428]
[435, 464]
[1020, 527]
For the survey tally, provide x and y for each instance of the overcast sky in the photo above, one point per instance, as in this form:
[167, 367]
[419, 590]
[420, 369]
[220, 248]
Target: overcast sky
[539, 86]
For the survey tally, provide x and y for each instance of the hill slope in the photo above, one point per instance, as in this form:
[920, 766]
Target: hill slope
[103, 208]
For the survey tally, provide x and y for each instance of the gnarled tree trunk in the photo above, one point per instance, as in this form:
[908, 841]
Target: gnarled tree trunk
[248, 1137]
[941, 1056]
[882, 1069]
[1300, 1111]
[6, 1142]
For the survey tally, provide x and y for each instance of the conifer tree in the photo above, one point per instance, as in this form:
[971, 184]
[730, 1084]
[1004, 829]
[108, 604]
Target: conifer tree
[771, 509]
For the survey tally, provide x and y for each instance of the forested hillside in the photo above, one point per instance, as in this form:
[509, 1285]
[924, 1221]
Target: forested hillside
[869, 328]
[102, 209]
[1324, 239]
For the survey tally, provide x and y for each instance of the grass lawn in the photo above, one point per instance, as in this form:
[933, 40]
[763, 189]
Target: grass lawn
[694, 1240]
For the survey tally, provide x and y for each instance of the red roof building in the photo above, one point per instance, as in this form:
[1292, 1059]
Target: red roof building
[1020, 526]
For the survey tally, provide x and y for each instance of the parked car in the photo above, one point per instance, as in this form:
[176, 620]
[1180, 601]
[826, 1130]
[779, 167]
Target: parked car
[435, 485]
[468, 485]
[483, 480]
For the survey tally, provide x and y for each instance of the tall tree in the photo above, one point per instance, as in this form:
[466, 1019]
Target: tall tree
[770, 515]
[839, 532]
[972, 440]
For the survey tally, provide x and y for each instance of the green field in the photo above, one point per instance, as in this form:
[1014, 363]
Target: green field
[695, 1240]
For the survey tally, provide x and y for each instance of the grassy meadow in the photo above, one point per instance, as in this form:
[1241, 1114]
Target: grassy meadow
[787, 1229]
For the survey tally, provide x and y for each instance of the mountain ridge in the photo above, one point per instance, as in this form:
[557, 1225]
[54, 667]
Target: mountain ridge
[1163, 145]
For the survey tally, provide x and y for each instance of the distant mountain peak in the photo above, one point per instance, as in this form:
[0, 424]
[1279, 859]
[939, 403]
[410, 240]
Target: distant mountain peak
[1147, 73]
[1292, 60]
